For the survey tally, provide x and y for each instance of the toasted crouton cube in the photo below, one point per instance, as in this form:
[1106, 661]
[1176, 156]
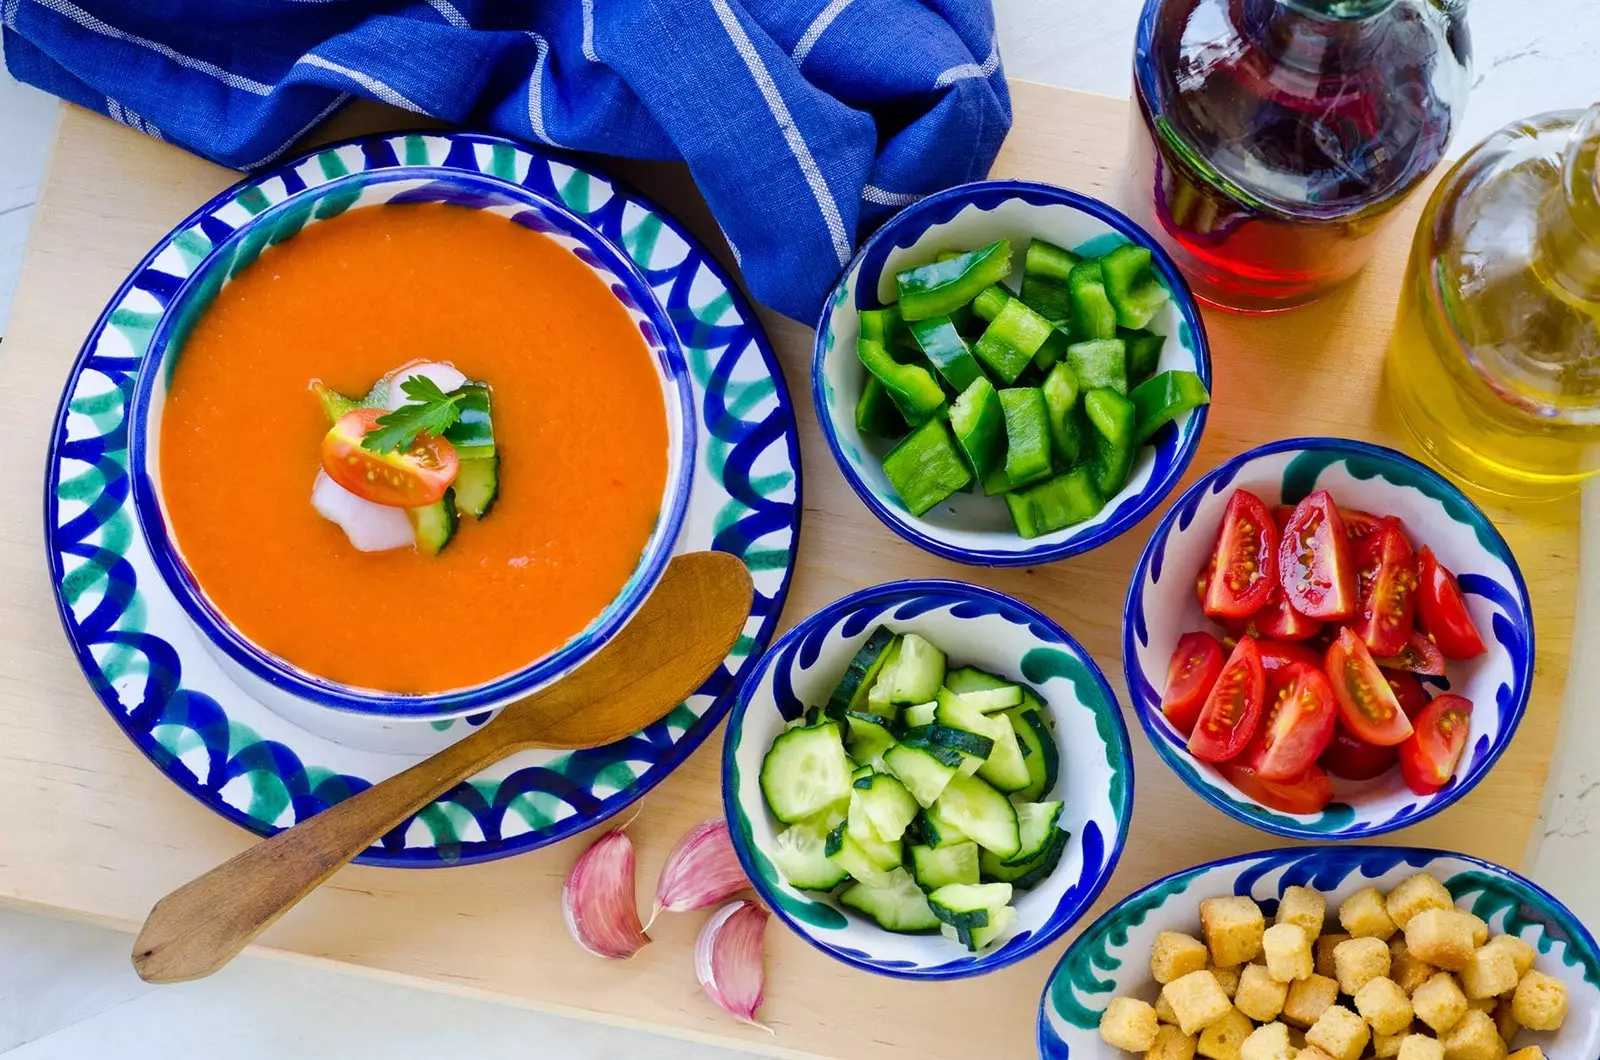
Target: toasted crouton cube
[1164, 1011]
[1311, 1052]
[1288, 952]
[1505, 1020]
[1478, 926]
[1531, 1052]
[1540, 1003]
[1172, 1044]
[1420, 1047]
[1356, 962]
[1489, 972]
[1442, 937]
[1233, 927]
[1270, 1041]
[1522, 954]
[1405, 968]
[1307, 998]
[1384, 1005]
[1325, 947]
[1197, 1001]
[1227, 978]
[1305, 907]
[1413, 895]
[1260, 996]
[1482, 1004]
[1363, 915]
[1175, 955]
[1473, 1038]
[1222, 1038]
[1129, 1024]
[1340, 1033]
[1439, 1002]
[1387, 1046]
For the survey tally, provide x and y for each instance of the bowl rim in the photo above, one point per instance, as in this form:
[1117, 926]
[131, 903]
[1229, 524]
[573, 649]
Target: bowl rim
[830, 615]
[1274, 825]
[1581, 935]
[1155, 491]
[286, 676]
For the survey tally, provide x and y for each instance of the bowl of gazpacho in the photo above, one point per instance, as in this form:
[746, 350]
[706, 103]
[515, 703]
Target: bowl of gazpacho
[411, 444]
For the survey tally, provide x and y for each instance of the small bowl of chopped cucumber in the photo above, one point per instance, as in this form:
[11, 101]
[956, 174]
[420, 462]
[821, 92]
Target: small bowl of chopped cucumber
[1010, 373]
[928, 779]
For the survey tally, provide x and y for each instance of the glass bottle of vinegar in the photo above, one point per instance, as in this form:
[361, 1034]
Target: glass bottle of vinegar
[1494, 365]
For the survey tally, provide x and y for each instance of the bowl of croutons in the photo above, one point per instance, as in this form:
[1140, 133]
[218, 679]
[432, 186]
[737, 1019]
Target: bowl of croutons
[1330, 953]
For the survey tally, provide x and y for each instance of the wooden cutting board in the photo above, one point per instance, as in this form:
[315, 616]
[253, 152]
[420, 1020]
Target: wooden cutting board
[92, 830]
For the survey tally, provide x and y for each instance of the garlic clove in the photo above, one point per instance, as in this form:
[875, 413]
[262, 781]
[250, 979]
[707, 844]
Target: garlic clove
[598, 903]
[727, 959]
[701, 870]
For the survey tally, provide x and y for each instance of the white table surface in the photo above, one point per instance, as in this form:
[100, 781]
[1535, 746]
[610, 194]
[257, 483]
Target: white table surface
[67, 991]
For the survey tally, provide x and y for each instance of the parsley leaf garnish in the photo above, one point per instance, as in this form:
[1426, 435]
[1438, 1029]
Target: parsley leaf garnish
[431, 411]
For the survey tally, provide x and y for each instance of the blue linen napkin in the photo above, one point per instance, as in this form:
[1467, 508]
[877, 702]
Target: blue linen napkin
[805, 122]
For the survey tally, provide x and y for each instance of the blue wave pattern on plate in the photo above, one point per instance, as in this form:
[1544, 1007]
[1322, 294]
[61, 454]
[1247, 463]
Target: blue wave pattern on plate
[748, 471]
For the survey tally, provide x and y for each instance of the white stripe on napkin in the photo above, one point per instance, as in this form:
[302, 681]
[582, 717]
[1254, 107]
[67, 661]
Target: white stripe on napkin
[971, 70]
[877, 195]
[791, 133]
[814, 32]
[588, 32]
[371, 84]
[536, 90]
[450, 13]
[338, 101]
[89, 22]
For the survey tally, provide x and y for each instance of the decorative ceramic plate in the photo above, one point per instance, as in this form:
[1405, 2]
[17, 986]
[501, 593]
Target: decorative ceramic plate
[1112, 957]
[147, 663]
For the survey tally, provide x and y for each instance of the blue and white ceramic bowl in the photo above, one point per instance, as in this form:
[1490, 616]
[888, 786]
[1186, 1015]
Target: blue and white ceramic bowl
[977, 627]
[1161, 607]
[290, 690]
[1112, 957]
[972, 528]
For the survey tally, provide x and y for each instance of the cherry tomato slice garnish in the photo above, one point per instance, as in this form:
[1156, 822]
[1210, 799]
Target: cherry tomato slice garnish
[1246, 557]
[1276, 654]
[1359, 525]
[1296, 724]
[1354, 759]
[416, 477]
[1442, 611]
[1279, 621]
[1367, 705]
[1190, 677]
[1429, 758]
[1419, 656]
[1233, 709]
[1386, 585]
[1202, 581]
[1306, 794]
[1408, 691]
[1314, 564]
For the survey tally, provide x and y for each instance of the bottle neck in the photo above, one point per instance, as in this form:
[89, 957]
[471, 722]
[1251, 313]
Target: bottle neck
[1570, 221]
[1319, 35]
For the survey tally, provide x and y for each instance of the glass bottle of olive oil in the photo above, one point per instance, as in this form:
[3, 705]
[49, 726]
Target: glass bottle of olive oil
[1494, 365]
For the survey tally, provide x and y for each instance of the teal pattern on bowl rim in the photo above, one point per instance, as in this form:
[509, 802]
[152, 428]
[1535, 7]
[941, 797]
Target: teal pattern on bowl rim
[978, 627]
[146, 661]
[1161, 606]
[1112, 957]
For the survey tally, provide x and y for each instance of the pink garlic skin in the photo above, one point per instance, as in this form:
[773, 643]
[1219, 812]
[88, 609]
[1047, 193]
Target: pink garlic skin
[597, 900]
[728, 959]
[701, 870]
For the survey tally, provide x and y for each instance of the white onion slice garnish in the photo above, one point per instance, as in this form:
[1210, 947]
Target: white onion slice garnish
[370, 527]
[442, 375]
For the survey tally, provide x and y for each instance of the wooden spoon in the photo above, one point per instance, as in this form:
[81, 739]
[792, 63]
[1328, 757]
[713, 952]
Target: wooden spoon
[674, 642]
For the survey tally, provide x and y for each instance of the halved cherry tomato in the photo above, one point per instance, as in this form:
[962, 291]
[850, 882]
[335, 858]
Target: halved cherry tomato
[1233, 709]
[1420, 655]
[1355, 759]
[1246, 557]
[1202, 581]
[1296, 725]
[1408, 691]
[1360, 525]
[1190, 677]
[1442, 611]
[411, 479]
[1278, 621]
[1314, 564]
[1367, 704]
[1276, 654]
[1306, 794]
[1386, 585]
[1428, 759]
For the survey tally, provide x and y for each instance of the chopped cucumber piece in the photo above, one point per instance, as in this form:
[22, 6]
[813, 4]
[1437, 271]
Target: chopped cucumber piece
[989, 700]
[936, 867]
[1036, 829]
[937, 831]
[1000, 925]
[805, 772]
[972, 679]
[1042, 759]
[435, 524]
[472, 434]
[800, 854]
[1029, 873]
[1003, 766]
[845, 851]
[919, 670]
[888, 805]
[895, 904]
[925, 771]
[870, 736]
[968, 906]
[978, 745]
[477, 485]
[982, 814]
[851, 691]
[919, 715]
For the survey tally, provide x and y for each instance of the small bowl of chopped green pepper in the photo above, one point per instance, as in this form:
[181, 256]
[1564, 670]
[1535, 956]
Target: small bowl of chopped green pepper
[1010, 373]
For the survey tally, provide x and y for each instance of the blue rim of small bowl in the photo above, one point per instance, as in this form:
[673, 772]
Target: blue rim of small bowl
[373, 702]
[1522, 666]
[829, 616]
[1154, 492]
[1405, 853]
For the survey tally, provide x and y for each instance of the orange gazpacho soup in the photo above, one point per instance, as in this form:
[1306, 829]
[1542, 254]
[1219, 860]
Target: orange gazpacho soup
[579, 423]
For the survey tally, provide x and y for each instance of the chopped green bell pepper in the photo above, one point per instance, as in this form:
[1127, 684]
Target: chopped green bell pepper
[1132, 285]
[1027, 434]
[1162, 399]
[980, 428]
[1093, 316]
[911, 387]
[1012, 338]
[1111, 444]
[939, 339]
[883, 325]
[876, 413]
[1144, 353]
[1045, 268]
[925, 467]
[941, 287]
[1103, 362]
[990, 301]
[1066, 424]
[1055, 504]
